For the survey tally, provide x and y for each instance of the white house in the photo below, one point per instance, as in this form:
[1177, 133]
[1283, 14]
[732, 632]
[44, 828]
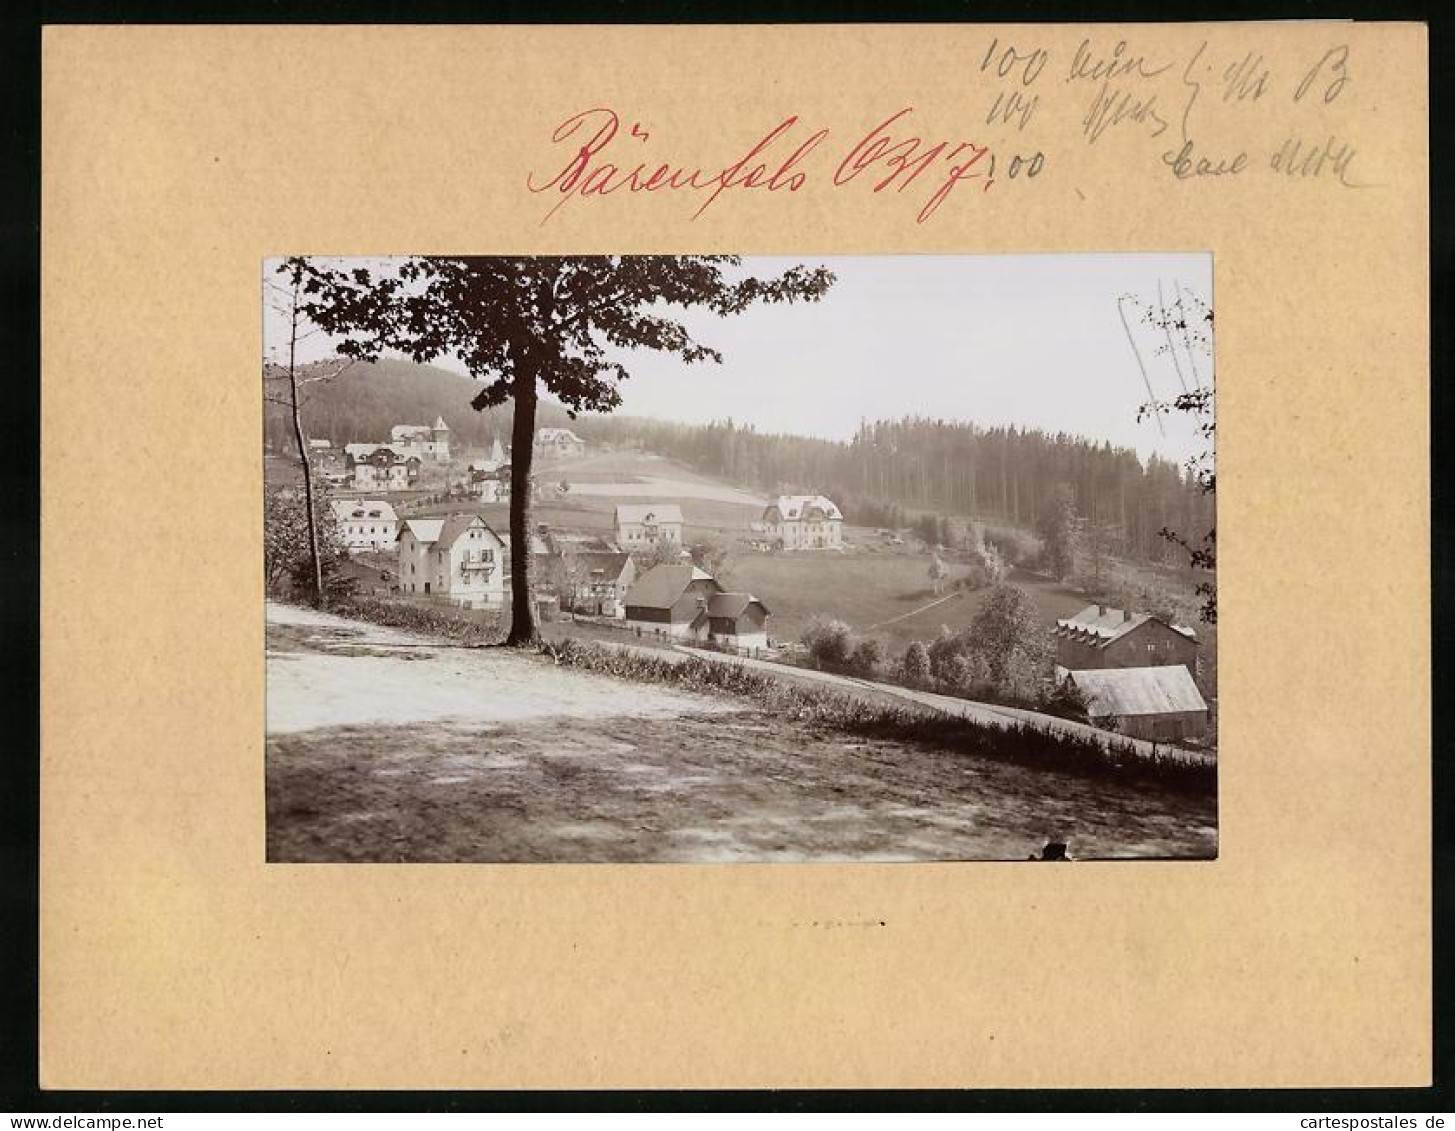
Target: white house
[366, 524]
[642, 527]
[385, 467]
[560, 443]
[425, 441]
[804, 522]
[458, 558]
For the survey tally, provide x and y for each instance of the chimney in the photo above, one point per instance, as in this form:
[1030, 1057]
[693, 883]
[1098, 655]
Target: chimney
[1101, 610]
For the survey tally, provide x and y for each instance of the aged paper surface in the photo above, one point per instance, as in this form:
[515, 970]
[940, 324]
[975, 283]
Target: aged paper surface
[175, 160]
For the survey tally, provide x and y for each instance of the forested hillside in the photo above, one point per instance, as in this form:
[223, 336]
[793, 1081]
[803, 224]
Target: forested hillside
[949, 467]
[368, 399]
[889, 467]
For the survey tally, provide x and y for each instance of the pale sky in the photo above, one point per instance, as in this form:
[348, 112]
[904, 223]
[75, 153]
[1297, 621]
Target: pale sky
[1030, 340]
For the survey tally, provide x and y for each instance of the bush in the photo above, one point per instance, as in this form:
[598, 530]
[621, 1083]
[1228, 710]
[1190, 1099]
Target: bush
[867, 658]
[829, 642]
[914, 667]
[460, 626]
[969, 675]
[942, 652]
[1066, 700]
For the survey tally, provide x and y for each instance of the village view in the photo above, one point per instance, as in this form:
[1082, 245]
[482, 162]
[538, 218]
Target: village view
[931, 640]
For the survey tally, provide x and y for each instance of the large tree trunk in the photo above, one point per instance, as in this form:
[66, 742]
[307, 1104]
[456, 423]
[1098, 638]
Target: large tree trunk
[523, 628]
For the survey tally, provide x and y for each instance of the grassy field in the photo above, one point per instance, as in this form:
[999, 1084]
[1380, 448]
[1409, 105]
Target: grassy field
[866, 591]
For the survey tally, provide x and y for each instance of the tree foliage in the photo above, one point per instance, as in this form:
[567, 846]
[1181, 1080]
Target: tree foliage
[867, 658]
[287, 553]
[658, 553]
[1062, 531]
[914, 666]
[829, 642]
[1004, 653]
[713, 556]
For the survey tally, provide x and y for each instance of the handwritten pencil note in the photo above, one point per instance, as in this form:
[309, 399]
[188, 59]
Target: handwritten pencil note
[1204, 112]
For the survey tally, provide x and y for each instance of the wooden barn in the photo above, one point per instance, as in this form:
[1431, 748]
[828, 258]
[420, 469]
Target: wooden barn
[1102, 637]
[738, 620]
[687, 603]
[1160, 703]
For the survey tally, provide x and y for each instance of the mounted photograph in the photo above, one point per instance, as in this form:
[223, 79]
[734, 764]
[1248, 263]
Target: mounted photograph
[739, 559]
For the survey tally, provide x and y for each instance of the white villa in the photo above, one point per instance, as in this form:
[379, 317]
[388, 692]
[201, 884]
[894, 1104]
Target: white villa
[381, 467]
[804, 522]
[366, 524]
[458, 558]
[640, 527]
[430, 442]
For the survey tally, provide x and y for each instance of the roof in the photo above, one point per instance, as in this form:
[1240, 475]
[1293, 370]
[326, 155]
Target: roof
[423, 529]
[609, 563]
[661, 586]
[408, 431]
[440, 425]
[1138, 691]
[732, 605]
[456, 524]
[556, 436]
[1101, 624]
[651, 512]
[377, 509]
[792, 507]
[364, 451]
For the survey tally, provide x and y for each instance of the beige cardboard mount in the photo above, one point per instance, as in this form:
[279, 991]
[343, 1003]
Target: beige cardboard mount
[172, 956]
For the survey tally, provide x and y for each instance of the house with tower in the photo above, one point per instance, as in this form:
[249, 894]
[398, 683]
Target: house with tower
[427, 442]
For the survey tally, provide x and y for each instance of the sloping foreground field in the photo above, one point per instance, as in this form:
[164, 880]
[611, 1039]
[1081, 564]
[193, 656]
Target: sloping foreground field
[384, 746]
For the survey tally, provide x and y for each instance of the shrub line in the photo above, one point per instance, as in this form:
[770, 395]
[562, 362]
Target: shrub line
[1017, 742]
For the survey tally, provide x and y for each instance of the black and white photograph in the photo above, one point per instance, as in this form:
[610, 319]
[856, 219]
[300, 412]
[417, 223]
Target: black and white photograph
[739, 559]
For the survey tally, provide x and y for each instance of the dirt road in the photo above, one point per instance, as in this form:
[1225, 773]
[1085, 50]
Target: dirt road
[383, 746]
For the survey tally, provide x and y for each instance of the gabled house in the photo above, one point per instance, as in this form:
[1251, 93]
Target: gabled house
[738, 620]
[366, 524]
[380, 467]
[671, 600]
[1103, 637]
[686, 603]
[458, 558]
[596, 581]
[1161, 704]
[558, 443]
[488, 481]
[640, 527]
[427, 441]
[804, 522]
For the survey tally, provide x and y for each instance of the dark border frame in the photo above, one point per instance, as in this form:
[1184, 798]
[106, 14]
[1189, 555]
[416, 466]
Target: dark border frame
[20, 552]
